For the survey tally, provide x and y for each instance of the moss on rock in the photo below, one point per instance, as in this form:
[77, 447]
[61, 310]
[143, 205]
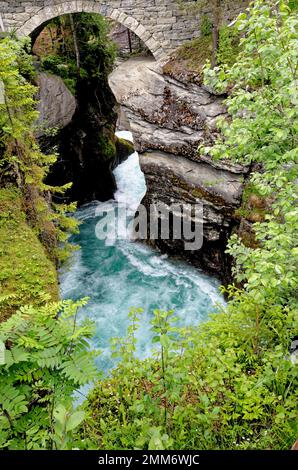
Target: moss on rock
[26, 273]
[189, 59]
[124, 148]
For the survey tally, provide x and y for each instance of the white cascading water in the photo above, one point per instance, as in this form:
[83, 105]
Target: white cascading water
[129, 274]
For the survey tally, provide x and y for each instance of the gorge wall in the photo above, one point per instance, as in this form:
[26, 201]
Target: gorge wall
[82, 130]
[77, 116]
[169, 119]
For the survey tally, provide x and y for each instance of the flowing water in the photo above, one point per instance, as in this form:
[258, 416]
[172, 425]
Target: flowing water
[127, 274]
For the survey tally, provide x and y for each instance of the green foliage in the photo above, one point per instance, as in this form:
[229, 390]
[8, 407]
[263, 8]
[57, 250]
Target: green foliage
[107, 146]
[206, 26]
[17, 109]
[193, 55]
[26, 273]
[65, 423]
[21, 159]
[255, 206]
[46, 360]
[263, 104]
[96, 51]
[56, 65]
[204, 388]
[228, 46]
[124, 148]
[293, 5]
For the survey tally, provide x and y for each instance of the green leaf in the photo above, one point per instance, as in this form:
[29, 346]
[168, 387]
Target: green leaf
[75, 420]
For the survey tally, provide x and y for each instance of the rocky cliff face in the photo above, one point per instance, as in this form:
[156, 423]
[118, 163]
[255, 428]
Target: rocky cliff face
[56, 103]
[87, 147]
[86, 143]
[77, 48]
[169, 119]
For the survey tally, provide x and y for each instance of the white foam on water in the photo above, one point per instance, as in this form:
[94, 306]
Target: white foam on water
[132, 188]
[127, 135]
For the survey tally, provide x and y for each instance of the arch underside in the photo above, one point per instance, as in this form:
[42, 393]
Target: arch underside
[47, 13]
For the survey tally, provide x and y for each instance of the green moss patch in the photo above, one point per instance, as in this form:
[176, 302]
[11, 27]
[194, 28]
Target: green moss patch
[107, 145]
[124, 148]
[26, 273]
[190, 58]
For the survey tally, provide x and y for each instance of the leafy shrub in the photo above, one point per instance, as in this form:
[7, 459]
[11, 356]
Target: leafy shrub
[228, 45]
[206, 26]
[21, 160]
[46, 359]
[96, 50]
[293, 5]
[205, 388]
[67, 70]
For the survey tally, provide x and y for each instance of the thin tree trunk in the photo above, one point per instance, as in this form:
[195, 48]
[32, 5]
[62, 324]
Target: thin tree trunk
[52, 39]
[76, 46]
[61, 33]
[129, 41]
[215, 31]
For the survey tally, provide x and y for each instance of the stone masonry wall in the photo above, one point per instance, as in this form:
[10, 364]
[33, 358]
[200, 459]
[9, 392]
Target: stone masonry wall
[161, 24]
[127, 42]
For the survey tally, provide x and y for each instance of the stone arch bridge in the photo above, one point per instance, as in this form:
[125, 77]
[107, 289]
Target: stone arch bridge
[161, 24]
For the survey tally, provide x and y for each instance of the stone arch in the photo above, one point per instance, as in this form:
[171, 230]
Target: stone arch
[75, 6]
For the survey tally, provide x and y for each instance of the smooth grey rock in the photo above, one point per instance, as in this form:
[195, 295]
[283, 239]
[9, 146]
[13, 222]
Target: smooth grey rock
[217, 184]
[56, 104]
[166, 114]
